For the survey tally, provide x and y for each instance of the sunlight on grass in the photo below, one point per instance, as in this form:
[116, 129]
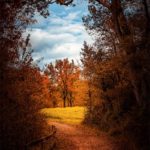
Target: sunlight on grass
[69, 115]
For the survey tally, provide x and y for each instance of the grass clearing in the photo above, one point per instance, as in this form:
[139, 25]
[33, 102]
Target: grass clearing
[69, 115]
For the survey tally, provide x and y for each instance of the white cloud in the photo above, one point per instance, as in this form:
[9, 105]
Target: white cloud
[72, 16]
[58, 37]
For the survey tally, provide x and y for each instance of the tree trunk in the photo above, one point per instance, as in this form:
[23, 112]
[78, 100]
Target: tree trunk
[126, 42]
[64, 102]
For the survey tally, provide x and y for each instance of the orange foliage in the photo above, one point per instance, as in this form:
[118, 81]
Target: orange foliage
[62, 77]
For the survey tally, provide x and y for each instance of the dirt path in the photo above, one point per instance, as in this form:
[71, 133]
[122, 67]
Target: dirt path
[80, 138]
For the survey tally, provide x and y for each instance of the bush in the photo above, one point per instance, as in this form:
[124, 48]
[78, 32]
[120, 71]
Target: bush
[20, 119]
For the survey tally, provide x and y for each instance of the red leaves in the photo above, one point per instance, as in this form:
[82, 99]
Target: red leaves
[62, 75]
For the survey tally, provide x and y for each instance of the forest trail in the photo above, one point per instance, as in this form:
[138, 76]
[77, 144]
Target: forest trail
[79, 137]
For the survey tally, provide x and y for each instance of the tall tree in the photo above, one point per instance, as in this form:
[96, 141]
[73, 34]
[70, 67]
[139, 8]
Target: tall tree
[63, 75]
[122, 68]
[131, 37]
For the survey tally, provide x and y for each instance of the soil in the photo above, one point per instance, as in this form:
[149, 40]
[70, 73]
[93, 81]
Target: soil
[80, 137]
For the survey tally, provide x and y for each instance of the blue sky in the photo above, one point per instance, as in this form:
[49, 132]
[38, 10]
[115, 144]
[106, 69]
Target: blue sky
[61, 35]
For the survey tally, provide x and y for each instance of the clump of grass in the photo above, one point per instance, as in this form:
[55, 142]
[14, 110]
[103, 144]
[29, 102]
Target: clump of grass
[69, 115]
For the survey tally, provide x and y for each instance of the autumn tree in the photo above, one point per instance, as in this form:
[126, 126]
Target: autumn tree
[68, 73]
[87, 59]
[26, 93]
[50, 73]
[63, 75]
[131, 36]
[81, 92]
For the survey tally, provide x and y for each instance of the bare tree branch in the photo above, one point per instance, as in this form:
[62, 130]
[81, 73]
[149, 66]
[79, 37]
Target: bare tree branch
[65, 2]
[105, 3]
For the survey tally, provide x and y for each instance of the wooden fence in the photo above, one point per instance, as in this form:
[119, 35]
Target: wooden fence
[44, 143]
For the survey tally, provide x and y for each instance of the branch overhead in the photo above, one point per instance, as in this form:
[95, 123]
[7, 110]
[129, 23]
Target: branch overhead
[105, 3]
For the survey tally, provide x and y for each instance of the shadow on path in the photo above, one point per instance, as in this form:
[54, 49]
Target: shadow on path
[80, 138]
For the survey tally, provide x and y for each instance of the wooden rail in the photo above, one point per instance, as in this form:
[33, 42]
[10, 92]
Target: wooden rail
[44, 143]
